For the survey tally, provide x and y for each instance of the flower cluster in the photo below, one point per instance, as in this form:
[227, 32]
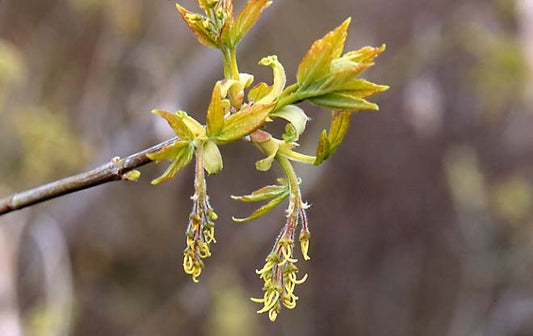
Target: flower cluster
[279, 271]
[326, 76]
[201, 230]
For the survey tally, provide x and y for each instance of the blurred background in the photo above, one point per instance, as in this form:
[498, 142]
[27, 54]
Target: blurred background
[422, 222]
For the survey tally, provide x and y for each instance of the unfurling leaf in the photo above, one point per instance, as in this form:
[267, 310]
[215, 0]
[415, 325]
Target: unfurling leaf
[262, 194]
[316, 63]
[295, 115]
[365, 54]
[177, 124]
[259, 91]
[199, 27]
[277, 192]
[247, 18]
[340, 121]
[247, 120]
[264, 209]
[212, 160]
[196, 128]
[183, 157]
[169, 152]
[362, 88]
[280, 79]
[322, 151]
[216, 112]
[344, 101]
[328, 143]
[266, 163]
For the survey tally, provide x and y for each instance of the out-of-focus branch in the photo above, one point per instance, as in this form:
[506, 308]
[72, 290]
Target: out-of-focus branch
[114, 170]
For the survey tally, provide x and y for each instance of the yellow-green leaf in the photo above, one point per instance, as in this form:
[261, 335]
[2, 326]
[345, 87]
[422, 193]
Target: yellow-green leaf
[280, 79]
[266, 163]
[365, 54]
[247, 120]
[259, 91]
[263, 193]
[212, 160]
[295, 115]
[344, 101]
[328, 143]
[316, 63]
[196, 128]
[176, 123]
[216, 112]
[169, 152]
[340, 121]
[362, 88]
[322, 149]
[182, 159]
[247, 18]
[337, 80]
[265, 208]
[196, 24]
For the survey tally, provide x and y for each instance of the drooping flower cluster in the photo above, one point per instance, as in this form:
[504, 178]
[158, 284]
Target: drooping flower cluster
[280, 272]
[201, 229]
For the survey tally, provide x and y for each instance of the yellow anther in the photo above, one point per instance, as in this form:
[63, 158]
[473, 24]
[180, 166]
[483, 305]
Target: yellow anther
[272, 314]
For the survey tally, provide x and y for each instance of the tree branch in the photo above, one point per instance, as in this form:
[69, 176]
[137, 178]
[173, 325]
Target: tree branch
[114, 170]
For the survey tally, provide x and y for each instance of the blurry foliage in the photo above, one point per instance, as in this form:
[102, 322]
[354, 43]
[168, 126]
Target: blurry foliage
[125, 20]
[12, 65]
[48, 145]
[13, 70]
[500, 70]
[513, 199]
[229, 312]
[465, 178]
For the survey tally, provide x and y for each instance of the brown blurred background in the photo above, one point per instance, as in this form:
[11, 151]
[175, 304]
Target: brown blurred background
[422, 223]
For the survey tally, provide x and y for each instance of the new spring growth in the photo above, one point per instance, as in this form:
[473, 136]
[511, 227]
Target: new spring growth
[280, 272]
[325, 77]
[201, 229]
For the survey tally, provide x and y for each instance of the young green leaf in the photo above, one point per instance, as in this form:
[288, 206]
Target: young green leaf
[322, 151]
[328, 143]
[196, 128]
[293, 114]
[265, 208]
[247, 120]
[316, 63]
[176, 123]
[345, 100]
[280, 79]
[336, 80]
[246, 19]
[291, 135]
[340, 121]
[196, 24]
[183, 157]
[216, 112]
[212, 160]
[365, 54]
[169, 152]
[362, 88]
[259, 91]
[266, 163]
[204, 4]
[263, 193]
